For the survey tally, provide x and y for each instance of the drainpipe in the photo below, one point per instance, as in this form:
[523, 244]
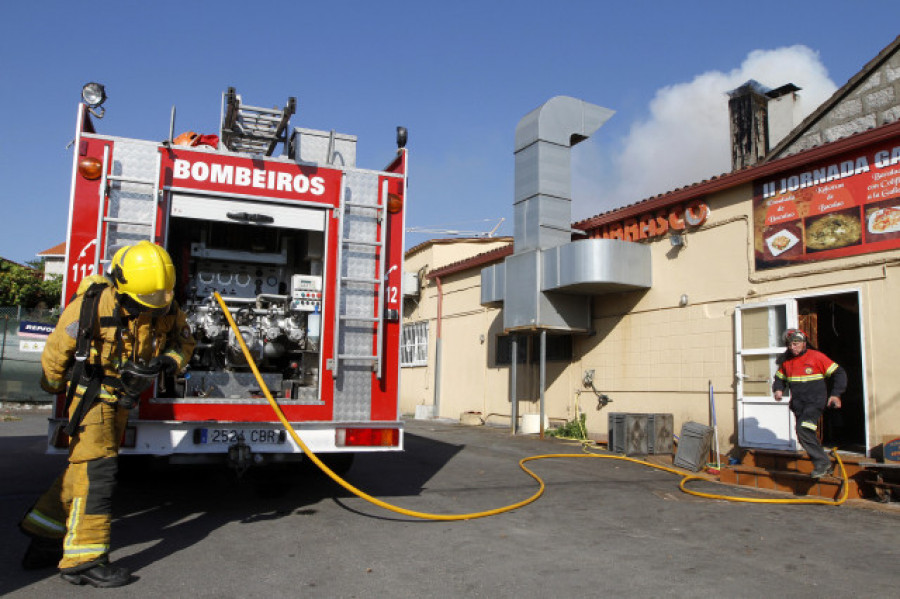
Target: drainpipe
[437, 350]
[543, 376]
[514, 407]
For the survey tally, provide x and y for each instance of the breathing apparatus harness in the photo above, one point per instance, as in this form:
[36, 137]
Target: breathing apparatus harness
[134, 378]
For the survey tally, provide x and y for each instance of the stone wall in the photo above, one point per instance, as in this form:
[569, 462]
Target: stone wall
[872, 102]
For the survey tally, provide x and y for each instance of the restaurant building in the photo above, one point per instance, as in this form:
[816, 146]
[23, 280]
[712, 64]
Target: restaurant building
[803, 232]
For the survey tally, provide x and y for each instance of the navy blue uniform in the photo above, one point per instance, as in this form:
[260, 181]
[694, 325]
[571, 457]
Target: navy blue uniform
[806, 376]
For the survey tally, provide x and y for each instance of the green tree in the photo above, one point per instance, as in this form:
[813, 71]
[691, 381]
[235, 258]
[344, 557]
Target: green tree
[51, 289]
[22, 286]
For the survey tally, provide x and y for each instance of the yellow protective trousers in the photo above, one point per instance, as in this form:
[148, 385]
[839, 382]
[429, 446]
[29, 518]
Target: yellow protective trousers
[77, 508]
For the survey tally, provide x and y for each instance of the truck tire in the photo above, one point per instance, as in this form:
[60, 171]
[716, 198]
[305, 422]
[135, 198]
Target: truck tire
[340, 463]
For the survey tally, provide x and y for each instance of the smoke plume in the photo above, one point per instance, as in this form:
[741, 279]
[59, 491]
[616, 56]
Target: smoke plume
[685, 138]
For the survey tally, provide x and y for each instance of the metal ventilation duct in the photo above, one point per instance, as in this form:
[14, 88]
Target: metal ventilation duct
[543, 180]
[547, 282]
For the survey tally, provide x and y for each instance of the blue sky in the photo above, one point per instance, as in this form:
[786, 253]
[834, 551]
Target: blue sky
[459, 75]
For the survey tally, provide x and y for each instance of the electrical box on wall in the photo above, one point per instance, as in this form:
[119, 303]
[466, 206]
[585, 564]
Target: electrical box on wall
[410, 284]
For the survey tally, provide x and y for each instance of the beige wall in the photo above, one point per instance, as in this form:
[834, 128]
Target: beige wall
[471, 381]
[881, 321]
[54, 266]
[467, 382]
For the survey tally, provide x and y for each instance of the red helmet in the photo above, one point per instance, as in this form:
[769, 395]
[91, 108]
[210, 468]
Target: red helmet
[791, 335]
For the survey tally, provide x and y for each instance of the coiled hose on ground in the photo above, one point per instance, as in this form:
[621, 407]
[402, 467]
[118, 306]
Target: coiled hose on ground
[471, 516]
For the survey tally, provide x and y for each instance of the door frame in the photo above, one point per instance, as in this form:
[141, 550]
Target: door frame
[793, 299]
[862, 352]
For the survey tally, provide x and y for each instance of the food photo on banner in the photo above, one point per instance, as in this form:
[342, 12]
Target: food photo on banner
[833, 209]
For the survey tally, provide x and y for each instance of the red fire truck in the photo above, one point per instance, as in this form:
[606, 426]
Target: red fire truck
[306, 251]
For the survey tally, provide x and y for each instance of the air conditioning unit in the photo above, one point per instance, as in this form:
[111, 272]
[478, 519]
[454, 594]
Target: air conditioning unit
[640, 434]
[628, 433]
[693, 446]
[660, 431]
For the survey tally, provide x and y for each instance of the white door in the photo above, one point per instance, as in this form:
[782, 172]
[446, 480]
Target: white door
[762, 422]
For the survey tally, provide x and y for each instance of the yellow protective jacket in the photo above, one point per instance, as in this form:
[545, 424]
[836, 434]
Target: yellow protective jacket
[117, 338]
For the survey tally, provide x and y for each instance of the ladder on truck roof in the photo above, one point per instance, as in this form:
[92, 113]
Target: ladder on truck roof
[252, 129]
[371, 249]
[129, 190]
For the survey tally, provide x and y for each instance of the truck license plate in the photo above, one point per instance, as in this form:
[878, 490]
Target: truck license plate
[258, 436]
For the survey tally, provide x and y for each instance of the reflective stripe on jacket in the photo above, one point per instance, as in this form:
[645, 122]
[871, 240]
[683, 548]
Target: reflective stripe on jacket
[806, 376]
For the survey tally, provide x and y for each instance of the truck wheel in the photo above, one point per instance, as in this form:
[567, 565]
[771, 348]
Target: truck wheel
[340, 463]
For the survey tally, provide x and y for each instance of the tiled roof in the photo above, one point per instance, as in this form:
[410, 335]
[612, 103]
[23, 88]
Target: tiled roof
[57, 250]
[2, 259]
[494, 255]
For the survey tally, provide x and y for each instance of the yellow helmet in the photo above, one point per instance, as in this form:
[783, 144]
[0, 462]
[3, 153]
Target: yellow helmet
[144, 272]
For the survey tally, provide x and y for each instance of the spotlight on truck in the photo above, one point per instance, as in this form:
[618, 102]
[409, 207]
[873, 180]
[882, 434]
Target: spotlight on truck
[94, 95]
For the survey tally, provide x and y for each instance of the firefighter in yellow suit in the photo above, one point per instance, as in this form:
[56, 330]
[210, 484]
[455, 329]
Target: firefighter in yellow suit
[134, 332]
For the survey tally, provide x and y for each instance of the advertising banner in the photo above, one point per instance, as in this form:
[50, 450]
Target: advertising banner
[845, 206]
[35, 330]
[33, 336]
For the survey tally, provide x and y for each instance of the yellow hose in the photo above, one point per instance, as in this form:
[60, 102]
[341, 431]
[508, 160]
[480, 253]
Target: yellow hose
[485, 513]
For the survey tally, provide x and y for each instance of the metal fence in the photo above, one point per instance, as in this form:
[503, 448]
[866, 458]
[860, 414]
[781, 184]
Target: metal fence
[20, 355]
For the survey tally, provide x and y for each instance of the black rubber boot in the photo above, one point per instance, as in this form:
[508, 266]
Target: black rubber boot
[42, 553]
[101, 575]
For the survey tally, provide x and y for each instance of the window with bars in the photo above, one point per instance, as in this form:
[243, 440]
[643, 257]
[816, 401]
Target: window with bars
[414, 344]
[504, 350]
[528, 349]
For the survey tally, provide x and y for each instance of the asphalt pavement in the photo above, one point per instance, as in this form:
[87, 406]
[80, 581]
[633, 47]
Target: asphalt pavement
[603, 527]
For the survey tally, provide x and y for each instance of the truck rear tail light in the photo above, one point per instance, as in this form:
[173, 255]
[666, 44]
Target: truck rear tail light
[367, 437]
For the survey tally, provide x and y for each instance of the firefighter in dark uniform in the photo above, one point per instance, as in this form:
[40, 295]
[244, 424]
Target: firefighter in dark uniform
[804, 371]
[112, 341]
